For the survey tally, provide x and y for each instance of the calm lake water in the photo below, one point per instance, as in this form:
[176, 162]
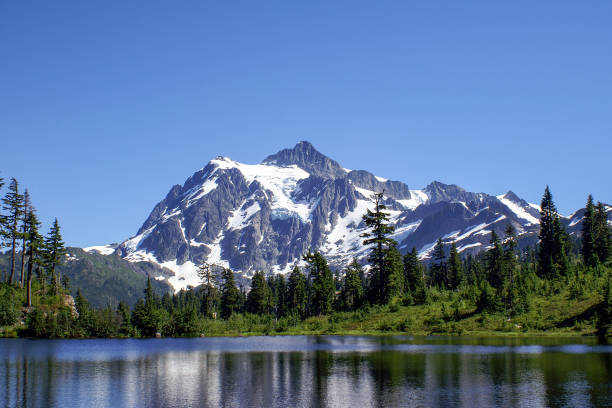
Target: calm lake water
[305, 371]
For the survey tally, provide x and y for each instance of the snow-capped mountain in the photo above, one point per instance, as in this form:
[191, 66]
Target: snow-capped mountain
[266, 216]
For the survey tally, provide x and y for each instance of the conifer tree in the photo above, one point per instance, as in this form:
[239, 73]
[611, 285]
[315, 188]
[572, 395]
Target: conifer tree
[230, 295]
[588, 245]
[393, 274]
[438, 265]
[601, 230]
[455, 268]
[323, 287]
[209, 290]
[411, 270]
[259, 298]
[604, 320]
[13, 204]
[24, 236]
[33, 246]
[296, 292]
[553, 245]
[351, 294]
[54, 251]
[495, 262]
[378, 222]
[510, 263]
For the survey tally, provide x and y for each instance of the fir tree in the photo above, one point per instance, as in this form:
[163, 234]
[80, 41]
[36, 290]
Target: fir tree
[604, 320]
[33, 247]
[378, 222]
[412, 270]
[209, 290]
[323, 288]
[588, 223]
[259, 298]
[296, 292]
[602, 240]
[393, 277]
[230, 295]
[455, 268]
[510, 263]
[24, 236]
[54, 251]
[351, 294]
[554, 244]
[495, 262]
[438, 265]
[13, 204]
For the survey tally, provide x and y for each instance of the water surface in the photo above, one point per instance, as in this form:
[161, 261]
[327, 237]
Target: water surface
[304, 371]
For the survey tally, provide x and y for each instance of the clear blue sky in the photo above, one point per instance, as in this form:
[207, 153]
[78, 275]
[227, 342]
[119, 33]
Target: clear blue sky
[104, 107]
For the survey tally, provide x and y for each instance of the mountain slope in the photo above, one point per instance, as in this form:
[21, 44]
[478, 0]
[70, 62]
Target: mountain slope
[266, 216]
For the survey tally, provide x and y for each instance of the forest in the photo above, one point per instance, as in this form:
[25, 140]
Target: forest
[560, 286]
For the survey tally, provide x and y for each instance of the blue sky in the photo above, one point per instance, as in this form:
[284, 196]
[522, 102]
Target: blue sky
[103, 107]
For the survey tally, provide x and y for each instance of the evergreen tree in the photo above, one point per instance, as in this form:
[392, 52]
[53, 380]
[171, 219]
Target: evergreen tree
[393, 277]
[351, 294]
[125, 327]
[495, 262]
[24, 236]
[13, 204]
[210, 293]
[323, 288]
[455, 268]
[602, 240]
[230, 295]
[33, 247]
[438, 265]
[378, 222]
[411, 270]
[604, 320]
[588, 224]
[296, 292]
[553, 245]
[54, 251]
[279, 294]
[259, 298]
[510, 264]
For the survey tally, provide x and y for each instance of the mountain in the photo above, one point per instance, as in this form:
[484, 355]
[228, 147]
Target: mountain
[266, 216]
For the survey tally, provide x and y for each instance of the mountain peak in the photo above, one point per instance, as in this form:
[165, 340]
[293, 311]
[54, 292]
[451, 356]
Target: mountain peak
[305, 156]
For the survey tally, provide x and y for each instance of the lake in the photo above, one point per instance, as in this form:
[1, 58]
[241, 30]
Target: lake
[305, 371]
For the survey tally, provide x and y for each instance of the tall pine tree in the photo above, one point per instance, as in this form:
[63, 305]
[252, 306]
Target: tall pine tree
[323, 287]
[230, 295]
[601, 230]
[351, 293]
[259, 298]
[455, 268]
[13, 204]
[33, 246]
[588, 224]
[438, 265]
[54, 251]
[553, 245]
[296, 292]
[380, 229]
[24, 235]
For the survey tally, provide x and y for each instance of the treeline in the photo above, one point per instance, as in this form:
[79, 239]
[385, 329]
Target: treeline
[502, 280]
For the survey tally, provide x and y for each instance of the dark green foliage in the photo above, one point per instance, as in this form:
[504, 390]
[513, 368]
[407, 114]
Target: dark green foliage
[393, 274]
[495, 262]
[9, 308]
[554, 244]
[588, 245]
[601, 234]
[378, 222]
[296, 293]
[230, 295]
[604, 319]
[53, 254]
[13, 204]
[351, 294]
[259, 299]
[488, 301]
[455, 269]
[323, 287]
[414, 278]
[437, 271]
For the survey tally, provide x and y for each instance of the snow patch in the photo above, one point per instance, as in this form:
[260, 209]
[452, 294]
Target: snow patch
[417, 197]
[101, 249]
[518, 210]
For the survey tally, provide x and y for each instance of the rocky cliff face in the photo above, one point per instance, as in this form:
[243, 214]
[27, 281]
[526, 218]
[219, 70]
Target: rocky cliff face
[267, 215]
